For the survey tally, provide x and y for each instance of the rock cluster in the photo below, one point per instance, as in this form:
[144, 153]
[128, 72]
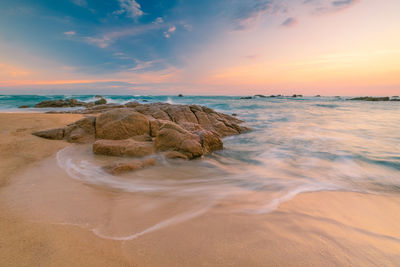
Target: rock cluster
[137, 130]
[369, 98]
[64, 103]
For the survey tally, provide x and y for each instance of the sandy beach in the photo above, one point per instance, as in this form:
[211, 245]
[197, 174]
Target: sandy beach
[48, 221]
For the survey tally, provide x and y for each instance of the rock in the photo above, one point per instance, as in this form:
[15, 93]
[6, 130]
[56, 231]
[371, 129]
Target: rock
[297, 95]
[272, 96]
[137, 130]
[98, 96]
[210, 141]
[60, 103]
[234, 114]
[81, 131]
[180, 95]
[246, 97]
[101, 101]
[24, 106]
[134, 165]
[318, 96]
[54, 134]
[172, 137]
[121, 123]
[175, 155]
[368, 98]
[127, 147]
[261, 96]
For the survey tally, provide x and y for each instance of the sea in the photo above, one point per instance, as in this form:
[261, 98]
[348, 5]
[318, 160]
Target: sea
[296, 145]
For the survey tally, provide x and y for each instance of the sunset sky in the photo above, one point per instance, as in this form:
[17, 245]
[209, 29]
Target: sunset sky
[213, 47]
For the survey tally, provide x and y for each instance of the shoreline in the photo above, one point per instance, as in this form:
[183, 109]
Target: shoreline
[331, 228]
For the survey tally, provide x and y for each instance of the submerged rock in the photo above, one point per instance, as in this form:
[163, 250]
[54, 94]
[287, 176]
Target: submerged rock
[24, 106]
[134, 165]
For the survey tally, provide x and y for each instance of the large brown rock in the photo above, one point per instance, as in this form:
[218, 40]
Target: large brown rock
[120, 124]
[137, 130]
[81, 131]
[172, 137]
[127, 147]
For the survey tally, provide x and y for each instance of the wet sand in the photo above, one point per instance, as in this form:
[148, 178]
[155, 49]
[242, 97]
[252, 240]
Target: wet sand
[53, 220]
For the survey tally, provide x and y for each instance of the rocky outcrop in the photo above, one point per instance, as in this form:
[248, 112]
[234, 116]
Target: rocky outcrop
[120, 124]
[65, 103]
[101, 101]
[60, 103]
[137, 130]
[127, 147]
[369, 98]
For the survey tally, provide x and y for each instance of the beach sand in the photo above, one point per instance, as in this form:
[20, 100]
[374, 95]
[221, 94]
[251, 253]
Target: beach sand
[49, 221]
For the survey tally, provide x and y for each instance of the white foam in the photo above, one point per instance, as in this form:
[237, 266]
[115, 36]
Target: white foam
[169, 101]
[275, 203]
[168, 222]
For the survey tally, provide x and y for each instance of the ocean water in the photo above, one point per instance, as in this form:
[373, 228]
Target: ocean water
[297, 145]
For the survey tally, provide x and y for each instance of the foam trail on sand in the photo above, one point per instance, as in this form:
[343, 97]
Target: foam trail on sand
[274, 204]
[168, 222]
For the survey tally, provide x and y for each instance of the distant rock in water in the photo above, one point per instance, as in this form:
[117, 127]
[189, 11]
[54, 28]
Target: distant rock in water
[101, 101]
[368, 98]
[261, 96]
[24, 106]
[297, 95]
[318, 96]
[246, 97]
[180, 95]
[60, 103]
[137, 130]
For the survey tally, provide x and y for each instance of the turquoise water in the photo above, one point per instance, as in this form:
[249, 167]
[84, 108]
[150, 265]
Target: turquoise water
[297, 145]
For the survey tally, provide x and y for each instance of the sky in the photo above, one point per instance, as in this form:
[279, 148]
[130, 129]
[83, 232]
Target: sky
[208, 47]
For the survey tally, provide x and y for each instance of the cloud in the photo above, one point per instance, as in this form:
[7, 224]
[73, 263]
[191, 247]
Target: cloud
[170, 30]
[109, 38]
[323, 7]
[158, 20]
[81, 3]
[343, 2]
[289, 22]
[130, 8]
[70, 33]
[248, 12]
